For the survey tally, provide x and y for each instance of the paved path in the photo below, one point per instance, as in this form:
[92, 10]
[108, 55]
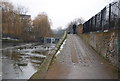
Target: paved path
[78, 61]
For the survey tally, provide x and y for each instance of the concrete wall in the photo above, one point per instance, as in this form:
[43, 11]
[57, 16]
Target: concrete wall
[105, 43]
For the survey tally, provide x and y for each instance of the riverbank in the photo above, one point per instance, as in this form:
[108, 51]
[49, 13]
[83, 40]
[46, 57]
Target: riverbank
[42, 70]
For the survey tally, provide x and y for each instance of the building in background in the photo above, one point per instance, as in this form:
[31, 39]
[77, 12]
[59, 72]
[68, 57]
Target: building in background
[79, 29]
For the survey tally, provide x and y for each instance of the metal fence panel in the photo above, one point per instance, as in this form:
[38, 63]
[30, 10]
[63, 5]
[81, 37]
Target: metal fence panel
[114, 14]
[108, 18]
[93, 24]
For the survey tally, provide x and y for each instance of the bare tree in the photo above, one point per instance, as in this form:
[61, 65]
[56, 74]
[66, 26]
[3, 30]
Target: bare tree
[7, 20]
[42, 26]
[76, 21]
[12, 21]
[21, 9]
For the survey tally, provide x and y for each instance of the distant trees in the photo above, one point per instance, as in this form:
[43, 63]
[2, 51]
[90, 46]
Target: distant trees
[21, 9]
[58, 32]
[76, 21]
[11, 20]
[41, 26]
[7, 17]
[16, 22]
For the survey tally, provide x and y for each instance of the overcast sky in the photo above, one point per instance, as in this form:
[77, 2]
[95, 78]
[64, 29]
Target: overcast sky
[61, 12]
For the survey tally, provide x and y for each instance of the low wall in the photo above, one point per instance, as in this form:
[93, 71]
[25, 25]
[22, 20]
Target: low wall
[42, 70]
[106, 44]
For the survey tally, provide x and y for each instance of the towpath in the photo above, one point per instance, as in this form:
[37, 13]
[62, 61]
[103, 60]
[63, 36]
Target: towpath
[78, 61]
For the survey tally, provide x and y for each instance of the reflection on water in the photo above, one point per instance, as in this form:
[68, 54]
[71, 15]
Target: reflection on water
[22, 63]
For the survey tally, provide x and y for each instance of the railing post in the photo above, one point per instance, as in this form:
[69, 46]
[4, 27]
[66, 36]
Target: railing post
[101, 20]
[119, 15]
[95, 22]
[109, 16]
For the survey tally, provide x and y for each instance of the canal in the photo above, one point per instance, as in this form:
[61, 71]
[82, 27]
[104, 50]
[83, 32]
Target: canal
[21, 62]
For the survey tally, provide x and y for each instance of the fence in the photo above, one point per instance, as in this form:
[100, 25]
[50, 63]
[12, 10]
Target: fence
[106, 19]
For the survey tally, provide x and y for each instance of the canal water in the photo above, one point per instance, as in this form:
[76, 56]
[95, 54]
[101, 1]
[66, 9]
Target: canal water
[23, 62]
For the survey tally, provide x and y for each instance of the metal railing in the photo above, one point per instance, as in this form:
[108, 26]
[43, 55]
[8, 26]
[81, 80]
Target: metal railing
[106, 19]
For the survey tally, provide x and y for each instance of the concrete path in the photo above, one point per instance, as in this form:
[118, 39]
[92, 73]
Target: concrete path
[79, 61]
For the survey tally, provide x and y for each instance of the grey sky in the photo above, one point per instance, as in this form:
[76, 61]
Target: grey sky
[61, 12]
